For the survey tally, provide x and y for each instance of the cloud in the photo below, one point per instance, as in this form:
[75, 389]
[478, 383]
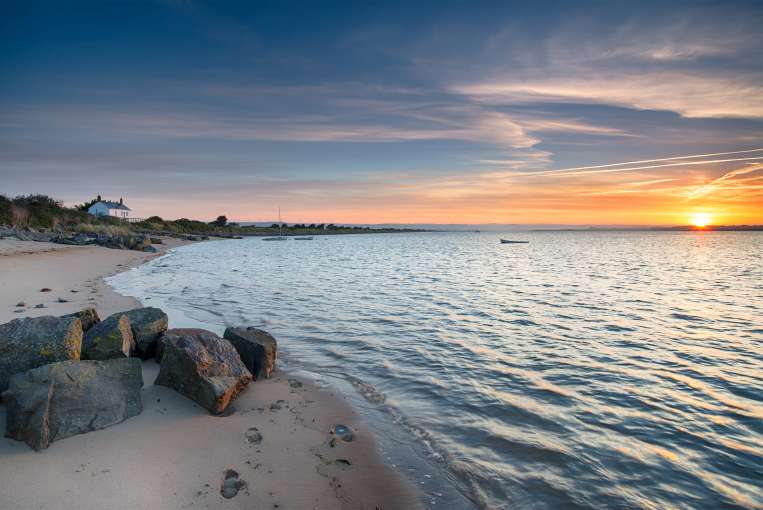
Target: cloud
[700, 63]
[717, 183]
[689, 94]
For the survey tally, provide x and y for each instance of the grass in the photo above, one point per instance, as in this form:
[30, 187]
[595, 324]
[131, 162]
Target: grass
[99, 228]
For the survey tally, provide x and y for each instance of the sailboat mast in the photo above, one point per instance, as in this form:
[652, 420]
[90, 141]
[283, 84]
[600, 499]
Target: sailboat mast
[280, 225]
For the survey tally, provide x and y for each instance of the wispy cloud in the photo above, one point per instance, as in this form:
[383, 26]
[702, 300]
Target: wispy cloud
[717, 183]
[691, 94]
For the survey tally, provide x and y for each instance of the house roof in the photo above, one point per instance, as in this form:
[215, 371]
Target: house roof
[113, 205]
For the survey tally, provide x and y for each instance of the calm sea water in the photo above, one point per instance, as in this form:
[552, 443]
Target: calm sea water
[607, 370]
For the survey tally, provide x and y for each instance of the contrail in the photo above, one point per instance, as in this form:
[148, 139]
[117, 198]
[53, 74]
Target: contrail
[674, 158]
[602, 170]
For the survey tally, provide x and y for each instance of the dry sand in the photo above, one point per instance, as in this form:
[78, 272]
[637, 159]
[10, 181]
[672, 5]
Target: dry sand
[174, 454]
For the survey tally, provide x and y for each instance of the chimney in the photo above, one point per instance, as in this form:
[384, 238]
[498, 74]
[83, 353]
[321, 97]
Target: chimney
[121, 202]
[99, 198]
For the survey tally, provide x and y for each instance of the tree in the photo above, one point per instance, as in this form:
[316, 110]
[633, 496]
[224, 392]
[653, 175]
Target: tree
[221, 221]
[86, 205]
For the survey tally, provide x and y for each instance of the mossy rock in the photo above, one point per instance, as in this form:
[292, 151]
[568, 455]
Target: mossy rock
[110, 338]
[34, 342]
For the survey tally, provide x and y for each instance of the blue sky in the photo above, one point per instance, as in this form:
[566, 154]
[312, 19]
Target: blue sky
[436, 111]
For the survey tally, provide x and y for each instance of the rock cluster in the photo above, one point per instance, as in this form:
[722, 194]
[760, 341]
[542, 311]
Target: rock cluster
[137, 242]
[61, 376]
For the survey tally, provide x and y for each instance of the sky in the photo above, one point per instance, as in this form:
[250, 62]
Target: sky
[647, 113]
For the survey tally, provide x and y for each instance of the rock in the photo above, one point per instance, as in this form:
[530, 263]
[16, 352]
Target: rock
[203, 367]
[20, 304]
[30, 343]
[110, 338]
[88, 317]
[81, 239]
[343, 432]
[257, 348]
[126, 242]
[139, 243]
[40, 306]
[62, 300]
[71, 397]
[156, 240]
[45, 289]
[150, 249]
[148, 324]
[159, 349]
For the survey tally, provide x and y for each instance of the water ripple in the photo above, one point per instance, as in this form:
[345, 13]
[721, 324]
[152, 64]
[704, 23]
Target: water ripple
[583, 370]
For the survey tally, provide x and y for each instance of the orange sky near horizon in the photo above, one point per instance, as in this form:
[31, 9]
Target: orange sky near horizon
[602, 197]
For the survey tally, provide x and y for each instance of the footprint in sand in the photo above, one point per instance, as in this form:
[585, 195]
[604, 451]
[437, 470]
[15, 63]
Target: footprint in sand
[275, 406]
[231, 484]
[253, 436]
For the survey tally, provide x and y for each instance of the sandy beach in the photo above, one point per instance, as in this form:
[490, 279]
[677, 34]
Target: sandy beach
[174, 454]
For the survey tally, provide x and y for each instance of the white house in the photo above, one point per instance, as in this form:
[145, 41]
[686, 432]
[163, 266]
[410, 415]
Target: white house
[106, 208]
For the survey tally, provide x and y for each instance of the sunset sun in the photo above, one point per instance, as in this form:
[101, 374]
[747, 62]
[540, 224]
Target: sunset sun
[700, 219]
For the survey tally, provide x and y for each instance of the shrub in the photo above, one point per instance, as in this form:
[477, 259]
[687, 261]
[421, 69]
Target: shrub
[19, 216]
[6, 217]
[37, 211]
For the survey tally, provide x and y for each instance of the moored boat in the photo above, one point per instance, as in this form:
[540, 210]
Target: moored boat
[510, 241]
[280, 237]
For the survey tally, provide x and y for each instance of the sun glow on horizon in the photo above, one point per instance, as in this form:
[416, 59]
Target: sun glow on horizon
[700, 220]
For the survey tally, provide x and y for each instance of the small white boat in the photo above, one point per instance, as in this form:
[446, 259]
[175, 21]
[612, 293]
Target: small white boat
[510, 241]
[306, 238]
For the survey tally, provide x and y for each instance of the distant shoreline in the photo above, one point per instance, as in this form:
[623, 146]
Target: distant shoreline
[686, 228]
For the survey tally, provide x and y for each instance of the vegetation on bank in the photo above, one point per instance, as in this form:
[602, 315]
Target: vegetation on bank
[43, 212]
[39, 211]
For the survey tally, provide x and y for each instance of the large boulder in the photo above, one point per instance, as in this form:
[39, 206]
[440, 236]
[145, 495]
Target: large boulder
[89, 318]
[71, 397]
[148, 325]
[139, 243]
[33, 342]
[203, 367]
[110, 338]
[257, 349]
